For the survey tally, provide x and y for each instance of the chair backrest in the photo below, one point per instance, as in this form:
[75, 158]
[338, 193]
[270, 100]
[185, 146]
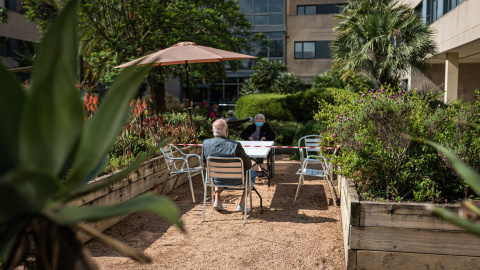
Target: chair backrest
[237, 124]
[168, 154]
[328, 160]
[309, 141]
[225, 168]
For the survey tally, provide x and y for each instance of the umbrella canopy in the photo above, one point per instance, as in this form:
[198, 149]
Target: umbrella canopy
[186, 53]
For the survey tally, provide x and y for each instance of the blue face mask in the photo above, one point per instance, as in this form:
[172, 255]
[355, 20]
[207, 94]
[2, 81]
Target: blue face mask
[258, 124]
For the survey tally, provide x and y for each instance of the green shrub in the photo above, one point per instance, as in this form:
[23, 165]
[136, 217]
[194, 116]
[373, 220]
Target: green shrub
[270, 105]
[354, 83]
[284, 131]
[387, 165]
[302, 105]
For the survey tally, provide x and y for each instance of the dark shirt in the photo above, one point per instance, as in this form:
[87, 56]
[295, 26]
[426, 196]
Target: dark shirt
[265, 131]
[223, 147]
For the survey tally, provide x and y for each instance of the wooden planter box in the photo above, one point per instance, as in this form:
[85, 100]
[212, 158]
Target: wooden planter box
[401, 236]
[150, 176]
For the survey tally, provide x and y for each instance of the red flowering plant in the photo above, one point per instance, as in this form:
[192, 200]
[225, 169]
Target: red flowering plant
[138, 107]
[136, 139]
[159, 130]
[200, 109]
[91, 99]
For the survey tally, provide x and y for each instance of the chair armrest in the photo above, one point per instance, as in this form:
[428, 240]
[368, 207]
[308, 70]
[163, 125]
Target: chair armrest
[186, 155]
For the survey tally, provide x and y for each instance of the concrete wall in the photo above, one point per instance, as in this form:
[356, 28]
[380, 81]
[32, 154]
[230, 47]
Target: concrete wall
[412, 3]
[308, 28]
[468, 80]
[18, 28]
[459, 26]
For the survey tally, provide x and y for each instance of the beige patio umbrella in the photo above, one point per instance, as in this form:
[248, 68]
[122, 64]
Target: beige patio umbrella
[186, 53]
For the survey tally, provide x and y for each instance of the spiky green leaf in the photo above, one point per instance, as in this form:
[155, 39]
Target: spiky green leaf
[455, 219]
[160, 205]
[466, 172]
[11, 104]
[25, 192]
[53, 117]
[100, 133]
[86, 189]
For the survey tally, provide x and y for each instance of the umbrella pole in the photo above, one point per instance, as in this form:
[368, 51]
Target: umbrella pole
[191, 94]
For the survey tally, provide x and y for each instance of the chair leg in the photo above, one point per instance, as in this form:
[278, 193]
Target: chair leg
[203, 178]
[332, 191]
[261, 201]
[191, 186]
[245, 204]
[204, 200]
[251, 206]
[300, 182]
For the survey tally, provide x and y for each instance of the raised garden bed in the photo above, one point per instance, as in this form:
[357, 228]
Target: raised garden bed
[150, 176]
[380, 235]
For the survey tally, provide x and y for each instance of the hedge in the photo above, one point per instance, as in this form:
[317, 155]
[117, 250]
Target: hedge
[298, 107]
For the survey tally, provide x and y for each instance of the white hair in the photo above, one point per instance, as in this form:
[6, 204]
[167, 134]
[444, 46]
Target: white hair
[220, 128]
[263, 116]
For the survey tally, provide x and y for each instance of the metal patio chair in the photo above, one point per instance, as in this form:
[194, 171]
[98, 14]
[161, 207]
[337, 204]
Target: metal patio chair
[309, 157]
[228, 168]
[180, 164]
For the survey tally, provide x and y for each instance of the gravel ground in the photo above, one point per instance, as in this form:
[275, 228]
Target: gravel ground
[307, 235]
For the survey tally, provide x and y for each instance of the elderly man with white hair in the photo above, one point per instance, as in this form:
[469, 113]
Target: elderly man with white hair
[220, 146]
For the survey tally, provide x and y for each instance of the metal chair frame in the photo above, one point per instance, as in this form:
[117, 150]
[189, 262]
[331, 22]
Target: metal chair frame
[179, 165]
[228, 168]
[314, 156]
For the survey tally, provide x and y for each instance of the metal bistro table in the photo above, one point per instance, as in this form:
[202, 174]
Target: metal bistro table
[255, 150]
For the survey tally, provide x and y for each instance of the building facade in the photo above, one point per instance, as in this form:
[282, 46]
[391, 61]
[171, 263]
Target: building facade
[456, 66]
[309, 31]
[298, 34]
[17, 35]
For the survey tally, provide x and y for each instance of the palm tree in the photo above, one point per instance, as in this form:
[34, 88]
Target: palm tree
[382, 38]
[262, 80]
[287, 83]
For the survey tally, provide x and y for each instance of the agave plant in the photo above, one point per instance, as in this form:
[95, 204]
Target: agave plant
[48, 156]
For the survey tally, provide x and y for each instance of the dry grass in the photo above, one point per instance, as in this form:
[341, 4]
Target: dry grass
[279, 236]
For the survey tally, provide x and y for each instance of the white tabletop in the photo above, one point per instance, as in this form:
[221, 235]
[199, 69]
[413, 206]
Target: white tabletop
[257, 152]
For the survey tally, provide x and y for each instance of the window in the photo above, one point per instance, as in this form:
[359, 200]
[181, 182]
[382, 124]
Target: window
[11, 5]
[312, 50]
[261, 6]
[320, 9]
[274, 50]
[264, 12]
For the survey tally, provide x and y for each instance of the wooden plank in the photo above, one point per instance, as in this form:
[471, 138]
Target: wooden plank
[125, 193]
[402, 215]
[118, 185]
[351, 259]
[152, 166]
[373, 260]
[345, 205]
[150, 176]
[414, 241]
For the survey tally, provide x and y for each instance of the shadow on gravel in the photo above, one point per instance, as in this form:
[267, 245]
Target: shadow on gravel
[141, 230]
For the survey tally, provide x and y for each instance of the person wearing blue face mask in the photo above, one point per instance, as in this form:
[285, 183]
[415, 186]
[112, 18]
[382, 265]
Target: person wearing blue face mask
[259, 131]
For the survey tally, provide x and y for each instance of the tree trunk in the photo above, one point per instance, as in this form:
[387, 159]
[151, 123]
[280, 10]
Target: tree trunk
[156, 88]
